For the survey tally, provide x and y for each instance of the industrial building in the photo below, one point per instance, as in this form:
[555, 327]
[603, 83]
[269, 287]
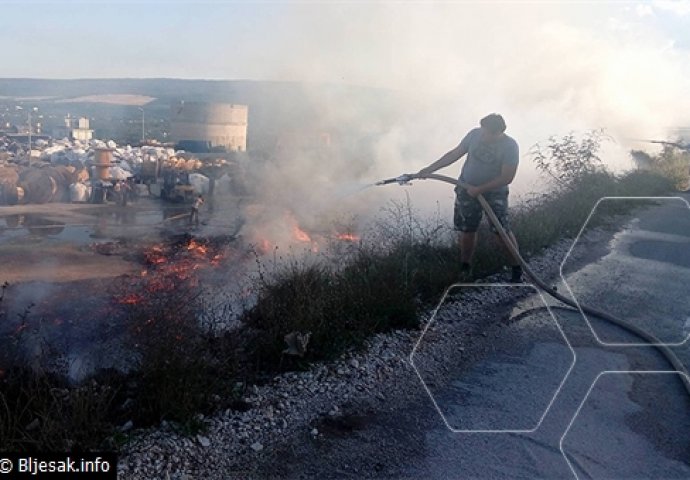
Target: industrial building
[203, 127]
[74, 129]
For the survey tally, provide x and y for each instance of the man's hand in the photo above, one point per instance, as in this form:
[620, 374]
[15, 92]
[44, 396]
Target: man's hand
[473, 191]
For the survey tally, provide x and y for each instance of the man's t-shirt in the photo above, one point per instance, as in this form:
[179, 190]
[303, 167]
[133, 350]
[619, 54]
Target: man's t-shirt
[485, 160]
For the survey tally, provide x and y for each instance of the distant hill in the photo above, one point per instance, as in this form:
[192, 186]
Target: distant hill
[274, 107]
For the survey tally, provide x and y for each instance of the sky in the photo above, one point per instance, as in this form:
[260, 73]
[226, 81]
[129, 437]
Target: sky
[551, 67]
[351, 42]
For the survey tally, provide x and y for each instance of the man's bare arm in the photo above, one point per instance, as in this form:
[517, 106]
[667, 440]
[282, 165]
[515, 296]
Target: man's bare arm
[447, 159]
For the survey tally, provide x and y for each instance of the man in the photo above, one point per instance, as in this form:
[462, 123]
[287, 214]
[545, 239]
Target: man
[194, 216]
[492, 160]
[124, 192]
[117, 192]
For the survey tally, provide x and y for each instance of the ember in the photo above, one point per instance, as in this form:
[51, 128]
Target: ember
[131, 299]
[347, 237]
[170, 265]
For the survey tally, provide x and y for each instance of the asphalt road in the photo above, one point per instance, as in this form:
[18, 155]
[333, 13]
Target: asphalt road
[556, 408]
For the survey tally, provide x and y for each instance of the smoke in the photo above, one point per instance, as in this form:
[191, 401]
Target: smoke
[549, 68]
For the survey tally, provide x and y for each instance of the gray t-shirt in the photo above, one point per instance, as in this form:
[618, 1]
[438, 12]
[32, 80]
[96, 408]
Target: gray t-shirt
[485, 160]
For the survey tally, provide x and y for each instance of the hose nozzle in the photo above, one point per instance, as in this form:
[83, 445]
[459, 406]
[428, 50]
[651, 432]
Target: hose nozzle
[403, 179]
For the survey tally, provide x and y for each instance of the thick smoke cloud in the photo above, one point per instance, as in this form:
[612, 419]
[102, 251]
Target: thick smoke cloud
[549, 68]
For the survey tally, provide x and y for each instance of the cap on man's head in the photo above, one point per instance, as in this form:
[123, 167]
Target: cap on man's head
[494, 123]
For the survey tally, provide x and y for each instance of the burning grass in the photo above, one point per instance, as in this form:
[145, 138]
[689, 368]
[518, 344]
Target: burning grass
[177, 264]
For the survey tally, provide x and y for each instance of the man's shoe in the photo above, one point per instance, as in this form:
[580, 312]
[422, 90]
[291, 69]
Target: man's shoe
[516, 274]
[466, 275]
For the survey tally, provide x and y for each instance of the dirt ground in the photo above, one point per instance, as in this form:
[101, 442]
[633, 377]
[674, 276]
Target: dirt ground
[60, 242]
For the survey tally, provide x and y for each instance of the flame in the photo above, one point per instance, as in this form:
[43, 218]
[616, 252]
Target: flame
[263, 246]
[197, 247]
[347, 237]
[297, 233]
[300, 234]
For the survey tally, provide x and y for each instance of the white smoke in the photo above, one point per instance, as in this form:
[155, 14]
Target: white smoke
[548, 68]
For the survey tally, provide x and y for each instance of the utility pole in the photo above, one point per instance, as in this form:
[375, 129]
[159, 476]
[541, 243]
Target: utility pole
[143, 126]
[29, 121]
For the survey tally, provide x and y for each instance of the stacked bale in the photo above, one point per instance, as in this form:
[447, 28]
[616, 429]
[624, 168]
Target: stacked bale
[48, 184]
[9, 177]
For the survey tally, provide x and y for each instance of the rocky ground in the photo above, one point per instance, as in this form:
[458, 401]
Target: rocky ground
[338, 397]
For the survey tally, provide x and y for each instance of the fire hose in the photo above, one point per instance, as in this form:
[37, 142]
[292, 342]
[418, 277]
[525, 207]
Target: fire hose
[667, 353]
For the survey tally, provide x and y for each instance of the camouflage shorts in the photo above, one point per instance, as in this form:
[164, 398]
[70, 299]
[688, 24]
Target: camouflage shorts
[468, 211]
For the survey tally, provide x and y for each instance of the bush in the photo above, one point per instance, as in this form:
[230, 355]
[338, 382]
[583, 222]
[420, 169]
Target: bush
[337, 308]
[39, 411]
[568, 160]
[672, 163]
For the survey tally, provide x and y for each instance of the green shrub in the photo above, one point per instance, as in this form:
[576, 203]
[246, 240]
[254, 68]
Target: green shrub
[567, 160]
[673, 163]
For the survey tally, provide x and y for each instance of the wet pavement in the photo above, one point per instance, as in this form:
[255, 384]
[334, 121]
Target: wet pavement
[608, 422]
[83, 224]
[629, 426]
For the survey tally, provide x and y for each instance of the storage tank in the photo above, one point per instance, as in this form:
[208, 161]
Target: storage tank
[102, 162]
[211, 124]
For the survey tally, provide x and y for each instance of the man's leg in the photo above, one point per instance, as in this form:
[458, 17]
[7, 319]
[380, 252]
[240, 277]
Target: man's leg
[512, 261]
[466, 219]
[468, 243]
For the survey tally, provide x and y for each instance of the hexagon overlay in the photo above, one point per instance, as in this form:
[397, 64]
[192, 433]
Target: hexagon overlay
[613, 440]
[513, 389]
[632, 280]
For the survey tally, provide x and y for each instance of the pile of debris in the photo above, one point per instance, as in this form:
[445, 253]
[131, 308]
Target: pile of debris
[63, 170]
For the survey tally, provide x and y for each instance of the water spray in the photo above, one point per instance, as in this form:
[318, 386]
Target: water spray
[406, 179]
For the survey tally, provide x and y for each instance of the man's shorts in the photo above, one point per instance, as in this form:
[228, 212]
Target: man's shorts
[468, 211]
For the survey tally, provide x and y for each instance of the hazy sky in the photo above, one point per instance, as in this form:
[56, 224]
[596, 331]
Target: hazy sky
[385, 43]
